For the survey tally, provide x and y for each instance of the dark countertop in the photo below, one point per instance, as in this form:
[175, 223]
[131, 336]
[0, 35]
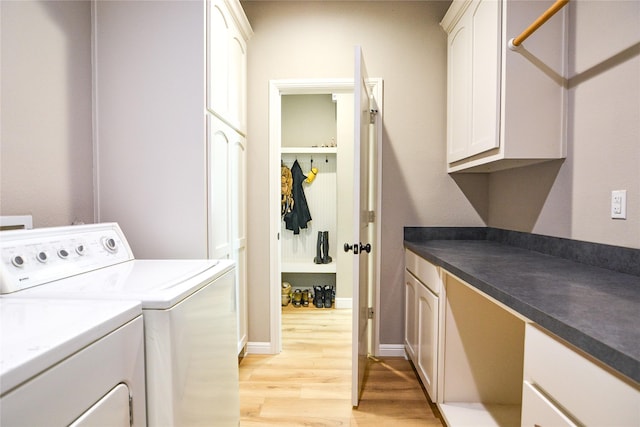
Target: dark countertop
[594, 308]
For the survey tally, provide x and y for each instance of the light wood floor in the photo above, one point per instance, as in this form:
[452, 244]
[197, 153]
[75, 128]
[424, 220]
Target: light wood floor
[309, 383]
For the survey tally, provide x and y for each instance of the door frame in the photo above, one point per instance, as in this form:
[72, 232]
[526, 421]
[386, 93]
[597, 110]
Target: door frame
[277, 88]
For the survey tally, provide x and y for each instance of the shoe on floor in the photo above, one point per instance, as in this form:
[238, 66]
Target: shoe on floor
[297, 298]
[328, 296]
[318, 297]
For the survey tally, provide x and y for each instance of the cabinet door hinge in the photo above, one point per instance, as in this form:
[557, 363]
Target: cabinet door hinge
[370, 313]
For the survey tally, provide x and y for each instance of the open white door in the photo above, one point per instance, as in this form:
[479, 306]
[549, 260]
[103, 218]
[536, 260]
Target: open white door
[360, 244]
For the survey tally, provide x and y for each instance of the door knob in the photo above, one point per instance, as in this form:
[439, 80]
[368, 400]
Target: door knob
[366, 248]
[357, 248]
[348, 247]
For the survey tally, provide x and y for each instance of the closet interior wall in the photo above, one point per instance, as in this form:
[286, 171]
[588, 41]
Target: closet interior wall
[300, 249]
[308, 127]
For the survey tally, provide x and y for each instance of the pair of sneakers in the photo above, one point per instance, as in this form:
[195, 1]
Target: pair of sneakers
[323, 297]
[301, 298]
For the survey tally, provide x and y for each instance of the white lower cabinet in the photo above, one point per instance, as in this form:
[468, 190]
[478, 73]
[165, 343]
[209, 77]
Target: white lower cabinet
[422, 314]
[564, 387]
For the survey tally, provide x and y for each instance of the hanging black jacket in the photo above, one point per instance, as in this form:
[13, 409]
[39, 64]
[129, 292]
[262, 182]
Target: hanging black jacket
[299, 215]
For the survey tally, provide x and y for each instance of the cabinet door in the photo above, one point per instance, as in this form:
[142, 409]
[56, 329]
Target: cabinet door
[237, 78]
[427, 339]
[485, 76]
[218, 30]
[220, 139]
[474, 81]
[226, 66]
[459, 91]
[238, 197]
[410, 315]
[227, 153]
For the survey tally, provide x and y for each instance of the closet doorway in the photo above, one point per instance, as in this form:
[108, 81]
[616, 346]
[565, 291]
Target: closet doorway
[316, 134]
[332, 195]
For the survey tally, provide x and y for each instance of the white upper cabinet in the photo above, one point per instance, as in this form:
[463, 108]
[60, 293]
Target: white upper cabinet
[228, 31]
[505, 108]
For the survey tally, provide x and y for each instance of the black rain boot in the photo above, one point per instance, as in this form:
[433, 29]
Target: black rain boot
[318, 258]
[328, 294]
[318, 297]
[326, 259]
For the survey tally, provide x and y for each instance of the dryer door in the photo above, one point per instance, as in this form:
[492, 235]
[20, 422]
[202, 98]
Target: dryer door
[111, 410]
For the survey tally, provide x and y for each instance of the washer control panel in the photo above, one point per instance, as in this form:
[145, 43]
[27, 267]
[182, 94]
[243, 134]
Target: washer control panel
[41, 255]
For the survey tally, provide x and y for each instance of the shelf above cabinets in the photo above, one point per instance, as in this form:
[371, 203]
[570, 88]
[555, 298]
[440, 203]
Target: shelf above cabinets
[307, 267]
[309, 150]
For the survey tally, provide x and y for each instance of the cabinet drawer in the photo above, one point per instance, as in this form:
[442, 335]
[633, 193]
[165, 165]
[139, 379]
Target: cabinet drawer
[589, 392]
[426, 272]
[537, 410]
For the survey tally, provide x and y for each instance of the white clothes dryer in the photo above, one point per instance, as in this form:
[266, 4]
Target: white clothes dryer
[70, 363]
[189, 312]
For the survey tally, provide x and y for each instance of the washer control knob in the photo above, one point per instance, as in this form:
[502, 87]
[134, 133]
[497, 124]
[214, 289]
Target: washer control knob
[110, 244]
[80, 250]
[18, 261]
[62, 253]
[42, 257]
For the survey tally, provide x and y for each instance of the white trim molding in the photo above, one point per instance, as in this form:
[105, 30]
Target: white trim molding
[391, 350]
[259, 348]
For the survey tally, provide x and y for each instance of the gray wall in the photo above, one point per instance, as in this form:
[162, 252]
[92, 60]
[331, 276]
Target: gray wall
[46, 151]
[402, 43]
[572, 199]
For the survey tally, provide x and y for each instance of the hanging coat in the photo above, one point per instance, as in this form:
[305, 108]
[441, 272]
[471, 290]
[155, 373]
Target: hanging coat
[299, 215]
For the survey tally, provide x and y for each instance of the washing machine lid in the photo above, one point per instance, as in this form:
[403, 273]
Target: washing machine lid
[36, 334]
[157, 284]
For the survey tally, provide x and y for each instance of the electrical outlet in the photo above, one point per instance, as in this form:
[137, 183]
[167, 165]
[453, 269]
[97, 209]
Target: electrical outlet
[619, 204]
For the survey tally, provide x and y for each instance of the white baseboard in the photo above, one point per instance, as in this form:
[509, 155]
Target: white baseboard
[391, 350]
[384, 350]
[259, 348]
[344, 303]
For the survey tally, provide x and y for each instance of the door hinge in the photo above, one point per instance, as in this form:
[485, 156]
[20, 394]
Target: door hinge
[370, 313]
[372, 116]
[371, 216]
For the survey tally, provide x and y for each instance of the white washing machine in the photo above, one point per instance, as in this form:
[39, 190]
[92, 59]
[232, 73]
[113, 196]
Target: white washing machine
[71, 363]
[188, 307]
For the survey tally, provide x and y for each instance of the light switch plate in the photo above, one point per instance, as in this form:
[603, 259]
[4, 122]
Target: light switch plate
[619, 204]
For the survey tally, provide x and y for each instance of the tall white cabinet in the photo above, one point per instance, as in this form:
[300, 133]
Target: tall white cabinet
[227, 34]
[170, 128]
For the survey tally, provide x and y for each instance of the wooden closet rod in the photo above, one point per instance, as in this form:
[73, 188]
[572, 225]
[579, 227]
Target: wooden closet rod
[517, 41]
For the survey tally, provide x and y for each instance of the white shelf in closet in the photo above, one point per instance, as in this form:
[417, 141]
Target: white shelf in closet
[309, 150]
[307, 267]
